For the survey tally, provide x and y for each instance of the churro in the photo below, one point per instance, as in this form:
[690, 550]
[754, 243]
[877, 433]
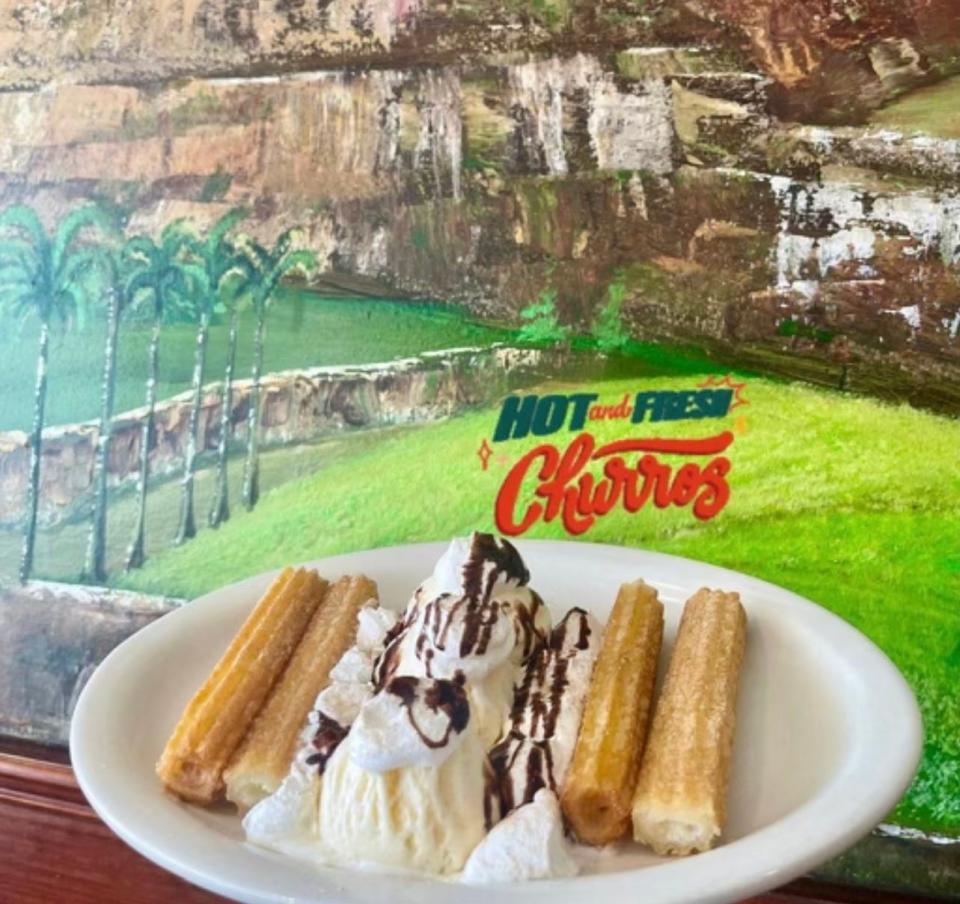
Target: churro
[220, 713]
[680, 801]
[599, 787]
[263, 758]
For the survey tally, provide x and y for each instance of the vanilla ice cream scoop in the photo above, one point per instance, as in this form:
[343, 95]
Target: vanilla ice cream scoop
[422, 817]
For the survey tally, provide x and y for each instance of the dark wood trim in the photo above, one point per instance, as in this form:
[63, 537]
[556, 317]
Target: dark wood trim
[34, 750]
[43, 813]
[43, 785]
[53, 847]
[810, 890]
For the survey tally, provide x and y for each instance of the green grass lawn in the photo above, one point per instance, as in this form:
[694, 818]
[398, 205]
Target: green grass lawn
[931, 109]
[60, 549]
[303, 330]
[844, 499]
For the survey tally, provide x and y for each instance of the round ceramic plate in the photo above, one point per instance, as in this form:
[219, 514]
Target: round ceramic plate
[828, 737]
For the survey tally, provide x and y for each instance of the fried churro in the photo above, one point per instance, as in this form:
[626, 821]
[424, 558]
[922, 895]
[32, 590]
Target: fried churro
[263, 758]
[680, 801]
[220, 713]
[599, 787]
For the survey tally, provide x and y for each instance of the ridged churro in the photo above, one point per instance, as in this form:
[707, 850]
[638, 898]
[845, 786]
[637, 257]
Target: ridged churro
[597, 794]
[680, 801]
[263, 758]
[220, 713]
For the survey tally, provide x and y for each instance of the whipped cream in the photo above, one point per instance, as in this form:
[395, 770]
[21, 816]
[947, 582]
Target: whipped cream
[545, 717]
[528, 844]
[374, 623]
[341, 701]
[355, 666]
[410, 722]
[350, 679]
[287, 813]
[473, 619]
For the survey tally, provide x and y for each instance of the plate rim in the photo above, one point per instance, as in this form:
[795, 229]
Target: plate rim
[899, 761]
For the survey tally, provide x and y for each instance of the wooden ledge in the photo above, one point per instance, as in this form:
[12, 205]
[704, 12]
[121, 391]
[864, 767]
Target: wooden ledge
[42, 785]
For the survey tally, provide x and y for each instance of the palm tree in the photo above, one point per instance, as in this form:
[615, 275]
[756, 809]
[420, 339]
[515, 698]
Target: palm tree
[215, 258]
[154, 270]
[110, 283]
[44, 276]
[232, 297]
[269, 266]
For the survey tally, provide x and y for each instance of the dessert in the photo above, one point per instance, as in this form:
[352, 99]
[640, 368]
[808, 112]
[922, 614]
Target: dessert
[468, 736]
[597, 796]
[434, 728]
[263, 758]
[220, 713]
[680, 801]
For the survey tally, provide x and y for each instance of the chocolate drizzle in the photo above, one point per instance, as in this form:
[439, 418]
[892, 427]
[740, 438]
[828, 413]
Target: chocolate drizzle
[434, 626]
[522, 762]
[583, 636]
[512, 755]
[530, 637]
[437, 695]
[326, 739]
[489, 561]
[539, 696]
[424, 653]
[501, 555]
[389, 659]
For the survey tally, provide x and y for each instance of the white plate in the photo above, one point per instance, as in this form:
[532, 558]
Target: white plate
[828, 738]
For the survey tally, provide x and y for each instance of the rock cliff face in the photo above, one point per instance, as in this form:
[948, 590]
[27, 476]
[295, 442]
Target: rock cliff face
[426, 154]
[816, 51]
[296, 407]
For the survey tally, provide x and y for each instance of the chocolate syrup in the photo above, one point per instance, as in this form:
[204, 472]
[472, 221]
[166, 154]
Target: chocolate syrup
[438, 695]
[533, 721]
[506, 561]
[326, 739]
[531, 637]
[583, 638]
[389, 659]
[500, 791]
[489, 561]
[539, 770]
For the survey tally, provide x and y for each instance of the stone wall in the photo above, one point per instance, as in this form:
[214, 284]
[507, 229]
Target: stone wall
[296, 406]
[52, 637]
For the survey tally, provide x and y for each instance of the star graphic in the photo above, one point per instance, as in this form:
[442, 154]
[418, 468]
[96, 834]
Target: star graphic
[728, 381]
[484, 453]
